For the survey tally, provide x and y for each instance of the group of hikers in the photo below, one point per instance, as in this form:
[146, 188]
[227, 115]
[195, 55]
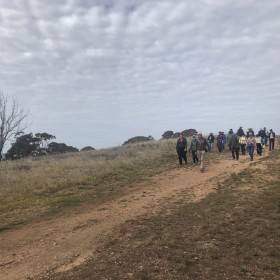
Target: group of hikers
[246, 142]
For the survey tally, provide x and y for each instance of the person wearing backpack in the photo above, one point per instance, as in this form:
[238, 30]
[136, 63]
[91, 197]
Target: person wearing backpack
[181, 148]
[193, 150]
[202, 148]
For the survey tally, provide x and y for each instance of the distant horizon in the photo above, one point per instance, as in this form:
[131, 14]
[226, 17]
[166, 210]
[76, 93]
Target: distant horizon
[156, 139]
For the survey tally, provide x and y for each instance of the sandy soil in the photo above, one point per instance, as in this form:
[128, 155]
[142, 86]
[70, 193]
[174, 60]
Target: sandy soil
[69, 240]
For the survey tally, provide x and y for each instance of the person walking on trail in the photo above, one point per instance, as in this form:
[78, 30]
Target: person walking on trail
[224, 139]
[193, 150]
[181, 148]
[234, 145]
[202, 148]
[251, 145]
[266, 136]
[259, 144]
[242, 142]
[271, 139]
[211, 139]
[220, 141]
[262, 135]
[228, 137]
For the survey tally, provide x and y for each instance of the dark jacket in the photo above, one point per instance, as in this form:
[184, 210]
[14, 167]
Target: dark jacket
[211, 138]
[234, 142]
[202, 144]
[181, 145]
[262, 133]
[240, 132]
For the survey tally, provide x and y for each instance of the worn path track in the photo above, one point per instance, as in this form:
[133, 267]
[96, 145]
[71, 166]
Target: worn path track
[66, 241]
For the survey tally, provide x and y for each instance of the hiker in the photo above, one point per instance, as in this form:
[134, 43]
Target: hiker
[228, 137]
[220, 141]
[262, 135]
[266, 136]
[202, 148]
[193, 150]
[259, 144]
[271, 139]
[242, 142]
[251, 144]
[224, 139]
[234, 146]
[240, 131]
[181, 148]
[211, 139]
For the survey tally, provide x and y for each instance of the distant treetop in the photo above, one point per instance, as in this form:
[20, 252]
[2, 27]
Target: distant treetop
[170, 134]
[138, 139]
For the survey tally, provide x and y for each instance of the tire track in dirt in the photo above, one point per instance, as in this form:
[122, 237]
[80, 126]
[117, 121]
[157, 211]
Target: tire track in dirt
[64, 242]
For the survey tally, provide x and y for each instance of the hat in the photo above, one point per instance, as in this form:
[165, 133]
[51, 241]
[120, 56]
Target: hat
[199, 133]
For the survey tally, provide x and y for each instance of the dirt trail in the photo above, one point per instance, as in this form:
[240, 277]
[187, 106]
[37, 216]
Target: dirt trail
[66, 241]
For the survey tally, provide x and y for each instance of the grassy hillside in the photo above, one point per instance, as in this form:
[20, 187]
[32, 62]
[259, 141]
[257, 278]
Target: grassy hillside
[33, 187]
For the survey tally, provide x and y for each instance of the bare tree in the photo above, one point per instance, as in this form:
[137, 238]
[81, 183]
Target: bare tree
[13, 119]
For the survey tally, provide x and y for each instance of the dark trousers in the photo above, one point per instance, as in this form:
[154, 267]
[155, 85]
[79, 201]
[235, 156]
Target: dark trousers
[194, 157]
[182, 155]
[259, 149]
[220, 146]
[243, 149]
[235, 153]
[271, 144]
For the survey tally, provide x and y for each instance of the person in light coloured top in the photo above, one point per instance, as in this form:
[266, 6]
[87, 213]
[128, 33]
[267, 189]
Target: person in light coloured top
[251, 145]
[271, 139]
[259, 144]
[243, 141]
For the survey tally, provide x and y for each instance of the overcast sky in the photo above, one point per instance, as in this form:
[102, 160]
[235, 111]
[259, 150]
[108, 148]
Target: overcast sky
[98, 72]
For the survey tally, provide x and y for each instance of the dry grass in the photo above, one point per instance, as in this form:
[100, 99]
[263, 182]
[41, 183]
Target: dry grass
[231, 234]
[33, 187]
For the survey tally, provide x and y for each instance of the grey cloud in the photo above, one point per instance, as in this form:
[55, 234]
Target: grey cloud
[147, 62]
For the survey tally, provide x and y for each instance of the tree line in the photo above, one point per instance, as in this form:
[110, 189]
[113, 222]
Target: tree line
[14, 120]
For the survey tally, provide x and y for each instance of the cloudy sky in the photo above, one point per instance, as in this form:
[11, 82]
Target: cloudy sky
[98, 72]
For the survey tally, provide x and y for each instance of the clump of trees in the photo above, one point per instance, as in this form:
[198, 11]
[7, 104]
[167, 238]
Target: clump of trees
[138, 139]
[170, 134]
[87, 148]
[36, 145]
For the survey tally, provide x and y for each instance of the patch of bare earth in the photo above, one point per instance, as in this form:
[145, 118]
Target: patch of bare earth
[61, 243]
